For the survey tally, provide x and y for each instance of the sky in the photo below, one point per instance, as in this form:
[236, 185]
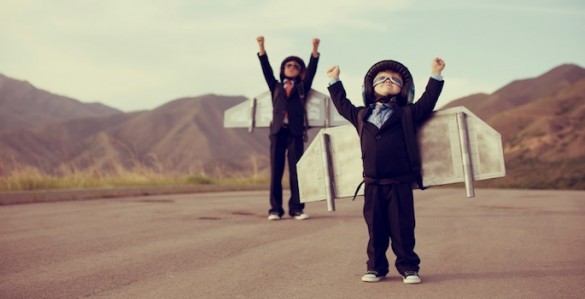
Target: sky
[138, 55]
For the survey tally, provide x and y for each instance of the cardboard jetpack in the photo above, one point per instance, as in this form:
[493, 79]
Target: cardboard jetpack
[455, 146]
[257, 112]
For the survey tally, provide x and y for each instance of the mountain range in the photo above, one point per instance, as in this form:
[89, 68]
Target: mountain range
[542, 123]
[541, 120]
[183, 136]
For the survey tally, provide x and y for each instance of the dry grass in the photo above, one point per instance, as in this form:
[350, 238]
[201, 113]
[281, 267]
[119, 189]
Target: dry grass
[521, 173]
[29, 178]
[527, 173]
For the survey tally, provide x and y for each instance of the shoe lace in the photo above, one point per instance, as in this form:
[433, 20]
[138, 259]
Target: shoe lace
[410, 273]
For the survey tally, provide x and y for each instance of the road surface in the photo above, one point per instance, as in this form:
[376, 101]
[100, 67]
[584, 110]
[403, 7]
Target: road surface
[500, 244]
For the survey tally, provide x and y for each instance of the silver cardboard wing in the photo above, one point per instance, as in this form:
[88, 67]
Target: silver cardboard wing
[456, 146]
[257, 112]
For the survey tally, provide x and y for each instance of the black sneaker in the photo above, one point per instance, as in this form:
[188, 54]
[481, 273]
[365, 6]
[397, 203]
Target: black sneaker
[372, 276]
[411, 277]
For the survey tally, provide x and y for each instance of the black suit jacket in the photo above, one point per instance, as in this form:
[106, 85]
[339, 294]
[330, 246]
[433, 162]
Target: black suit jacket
[384, 152]
[293, 106]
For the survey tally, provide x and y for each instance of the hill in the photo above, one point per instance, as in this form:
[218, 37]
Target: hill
[183, 136]
[25, 106]
[542, 122]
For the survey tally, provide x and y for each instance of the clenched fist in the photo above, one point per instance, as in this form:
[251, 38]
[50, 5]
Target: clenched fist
[438, 65]
[333, 72]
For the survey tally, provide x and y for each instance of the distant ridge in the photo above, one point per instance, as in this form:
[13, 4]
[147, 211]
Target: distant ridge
[182, 136]
[541, 119]
[25, 106]
[542, 122]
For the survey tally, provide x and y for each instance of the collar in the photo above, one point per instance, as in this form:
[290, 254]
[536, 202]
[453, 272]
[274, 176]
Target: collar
[382, 106]
[386, 99]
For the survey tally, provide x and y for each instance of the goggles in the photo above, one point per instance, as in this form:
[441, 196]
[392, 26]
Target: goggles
[293, 65]
[379, 80]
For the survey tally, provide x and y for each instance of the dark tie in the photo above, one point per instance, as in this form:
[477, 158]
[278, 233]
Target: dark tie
[288, 87]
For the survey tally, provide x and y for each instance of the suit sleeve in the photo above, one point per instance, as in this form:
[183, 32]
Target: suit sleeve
[267, 71]
[424, 107]
[310, 72]
[342, 103]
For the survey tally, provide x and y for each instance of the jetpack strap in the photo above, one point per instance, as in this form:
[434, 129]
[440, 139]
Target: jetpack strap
[368, 180]
[357, 190]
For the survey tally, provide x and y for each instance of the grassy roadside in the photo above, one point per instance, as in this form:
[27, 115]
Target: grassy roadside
[567, 174]
[33, 179]
[33, 186]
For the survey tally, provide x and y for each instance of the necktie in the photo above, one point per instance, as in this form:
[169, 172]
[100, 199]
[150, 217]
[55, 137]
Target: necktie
[379, 115]
[288, 87]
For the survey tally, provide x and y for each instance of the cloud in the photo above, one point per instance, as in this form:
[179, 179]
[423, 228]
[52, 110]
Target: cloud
[133, 53]
[138, 55]
[559, 8]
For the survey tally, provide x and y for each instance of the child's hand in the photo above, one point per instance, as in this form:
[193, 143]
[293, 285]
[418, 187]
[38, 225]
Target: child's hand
[333, 72]
[260, 40]
[437, 66]
[316, 42]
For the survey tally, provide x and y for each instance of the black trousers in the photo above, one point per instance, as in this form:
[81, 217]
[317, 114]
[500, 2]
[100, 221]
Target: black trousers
[281, 143]
[389, 214]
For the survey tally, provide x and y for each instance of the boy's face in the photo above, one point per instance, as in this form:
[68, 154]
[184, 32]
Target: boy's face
[387, 83]
[292, 69]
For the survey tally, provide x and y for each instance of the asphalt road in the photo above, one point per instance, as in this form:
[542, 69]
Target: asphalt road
[500, 244]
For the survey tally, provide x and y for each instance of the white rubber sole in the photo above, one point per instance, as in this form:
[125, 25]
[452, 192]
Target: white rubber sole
[302, 217]
[273, 217]
[412, 279]
[371, 278]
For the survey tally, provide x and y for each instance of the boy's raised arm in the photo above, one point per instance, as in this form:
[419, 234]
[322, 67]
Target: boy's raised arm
[312, 67]
[265, 64]
[339, 96]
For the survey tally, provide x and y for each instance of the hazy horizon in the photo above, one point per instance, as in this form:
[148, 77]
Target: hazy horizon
[135, 57]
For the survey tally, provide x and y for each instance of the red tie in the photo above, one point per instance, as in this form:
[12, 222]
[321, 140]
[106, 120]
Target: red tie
[288, 87]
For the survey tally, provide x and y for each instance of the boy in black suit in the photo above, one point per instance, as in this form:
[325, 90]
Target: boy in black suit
[288, 126]
[387, 168]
